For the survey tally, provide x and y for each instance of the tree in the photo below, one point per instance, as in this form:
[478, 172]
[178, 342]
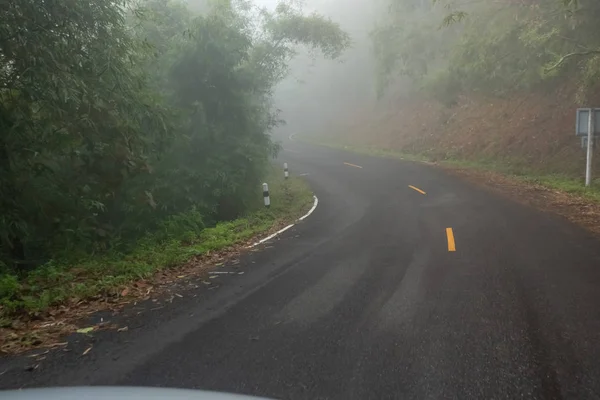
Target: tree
[221, 77]
[492, 47]
[117, 116]
[76, 121]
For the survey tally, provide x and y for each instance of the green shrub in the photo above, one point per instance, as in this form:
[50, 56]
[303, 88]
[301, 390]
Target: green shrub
[9, 286]
[10, 291]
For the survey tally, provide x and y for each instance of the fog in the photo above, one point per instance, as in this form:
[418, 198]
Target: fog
[318, 92]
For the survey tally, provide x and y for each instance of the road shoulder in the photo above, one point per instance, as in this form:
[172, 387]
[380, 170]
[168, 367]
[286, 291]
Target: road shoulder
[575, 208]
[77, 316]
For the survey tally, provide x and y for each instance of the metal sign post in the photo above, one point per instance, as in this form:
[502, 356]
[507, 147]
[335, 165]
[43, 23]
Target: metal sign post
[590, 153]
[588, 124]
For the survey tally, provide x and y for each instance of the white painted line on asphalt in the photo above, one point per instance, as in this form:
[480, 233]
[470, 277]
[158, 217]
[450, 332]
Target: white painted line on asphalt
[273, 235]
[311, 210]
[287, 227]
[303, 175]
[352, 165]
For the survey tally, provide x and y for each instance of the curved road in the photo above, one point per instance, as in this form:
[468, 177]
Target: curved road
[365, 299]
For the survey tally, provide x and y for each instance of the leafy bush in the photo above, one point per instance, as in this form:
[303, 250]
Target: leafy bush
[183, 226]
[180, 237]
[120, 119]
[9, 286]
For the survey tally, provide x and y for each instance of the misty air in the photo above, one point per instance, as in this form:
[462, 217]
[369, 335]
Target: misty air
[299, 199]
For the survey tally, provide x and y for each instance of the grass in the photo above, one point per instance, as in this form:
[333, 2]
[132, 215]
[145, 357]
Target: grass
[57, 282]
[568, 185]
[560, 182]
[368, 150]
[513, 168]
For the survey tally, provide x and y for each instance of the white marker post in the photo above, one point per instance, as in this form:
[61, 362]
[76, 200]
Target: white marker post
[285, 171]
[590, 149]
[587, 126]
[266, 195]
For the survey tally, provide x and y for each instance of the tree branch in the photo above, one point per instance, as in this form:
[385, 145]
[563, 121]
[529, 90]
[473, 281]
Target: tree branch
[275, 47]
[567, 56]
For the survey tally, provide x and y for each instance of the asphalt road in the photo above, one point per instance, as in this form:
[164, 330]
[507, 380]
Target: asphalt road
[366, 300]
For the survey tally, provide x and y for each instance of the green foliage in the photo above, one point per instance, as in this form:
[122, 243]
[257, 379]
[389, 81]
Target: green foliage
[123, 118]
[9, 288]
[76, 122]
[289, 25]
[493, 48]
[179, 237]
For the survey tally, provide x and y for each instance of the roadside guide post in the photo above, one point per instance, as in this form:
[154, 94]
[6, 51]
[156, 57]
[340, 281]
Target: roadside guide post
[588, 124]
[590, 152]
[266, 195]
[285, 171]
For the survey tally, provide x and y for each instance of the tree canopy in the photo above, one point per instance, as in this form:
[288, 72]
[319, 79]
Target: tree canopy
[448, 47]
[118, 116]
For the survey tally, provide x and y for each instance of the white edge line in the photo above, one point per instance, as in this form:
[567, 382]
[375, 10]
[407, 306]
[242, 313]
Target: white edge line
[311, 210]
[273, 235]
[287, 227]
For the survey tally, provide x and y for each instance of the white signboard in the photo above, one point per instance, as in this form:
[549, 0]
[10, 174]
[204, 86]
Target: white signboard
[583, 119]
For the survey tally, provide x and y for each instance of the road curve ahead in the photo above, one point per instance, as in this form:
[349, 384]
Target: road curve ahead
[405, 283]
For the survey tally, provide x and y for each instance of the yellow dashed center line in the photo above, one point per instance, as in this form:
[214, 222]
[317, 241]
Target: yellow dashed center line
[451, 244]
[417, 189]
[353, 165]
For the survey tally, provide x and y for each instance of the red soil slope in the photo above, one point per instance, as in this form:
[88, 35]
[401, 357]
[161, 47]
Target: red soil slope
[533, 131]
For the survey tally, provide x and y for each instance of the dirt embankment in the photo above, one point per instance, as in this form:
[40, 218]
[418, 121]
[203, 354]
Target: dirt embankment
[531, 134]
[528, 131]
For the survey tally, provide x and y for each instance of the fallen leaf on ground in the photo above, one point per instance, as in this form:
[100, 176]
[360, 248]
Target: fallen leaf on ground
[123, 329]
[49, 324]
[62, 320]
[38, 354]
[87, 351]
[178, 295]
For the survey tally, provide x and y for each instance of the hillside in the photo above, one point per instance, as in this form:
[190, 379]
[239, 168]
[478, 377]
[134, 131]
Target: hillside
[494, 84]
[520, 133]
[521, 146]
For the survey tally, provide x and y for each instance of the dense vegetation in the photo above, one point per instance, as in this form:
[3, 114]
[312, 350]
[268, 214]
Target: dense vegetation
[120, 119]
[450, 48]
